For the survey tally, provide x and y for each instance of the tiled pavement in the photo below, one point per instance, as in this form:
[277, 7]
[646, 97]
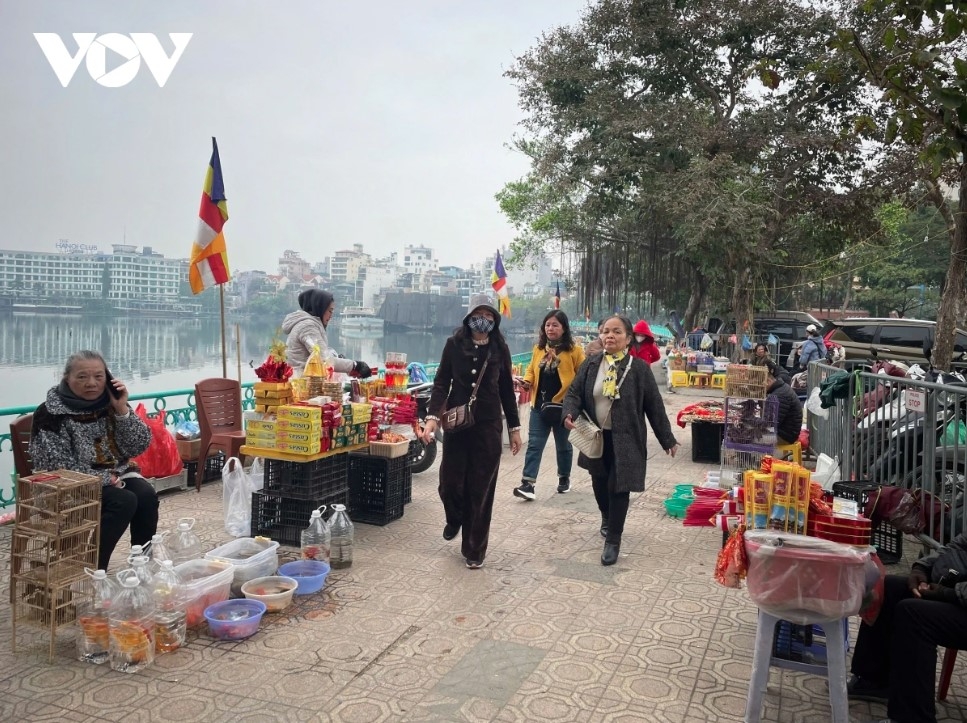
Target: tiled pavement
[542, 633]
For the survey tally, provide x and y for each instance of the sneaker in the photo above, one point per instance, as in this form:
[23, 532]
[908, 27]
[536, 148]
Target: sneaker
[474, 564]
[858, 688]
[450, 531]
[526, 490]
[563, 485]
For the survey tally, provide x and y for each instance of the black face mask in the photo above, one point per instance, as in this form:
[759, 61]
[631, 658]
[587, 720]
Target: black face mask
[480, 325]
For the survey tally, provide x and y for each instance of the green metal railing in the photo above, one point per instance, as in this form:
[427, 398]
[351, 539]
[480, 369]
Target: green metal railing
[177, 405]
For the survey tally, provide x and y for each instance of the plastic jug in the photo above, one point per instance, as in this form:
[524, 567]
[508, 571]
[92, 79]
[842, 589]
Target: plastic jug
[170, 599]
[142, 568]
[159, 552]
[185, 545]
[341, 533]
[316, 537]
[131, 625]
[93, 642]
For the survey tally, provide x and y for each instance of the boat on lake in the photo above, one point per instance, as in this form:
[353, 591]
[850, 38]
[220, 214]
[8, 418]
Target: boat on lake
[357, 319]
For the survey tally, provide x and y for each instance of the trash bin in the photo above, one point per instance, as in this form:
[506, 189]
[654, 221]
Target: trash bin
[707, 442]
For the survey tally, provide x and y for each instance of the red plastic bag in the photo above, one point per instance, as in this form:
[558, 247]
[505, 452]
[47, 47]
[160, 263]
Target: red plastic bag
[733, 563]
[161, 458]
[873, 597]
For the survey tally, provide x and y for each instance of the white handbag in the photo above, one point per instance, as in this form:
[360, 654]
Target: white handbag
[586, 435]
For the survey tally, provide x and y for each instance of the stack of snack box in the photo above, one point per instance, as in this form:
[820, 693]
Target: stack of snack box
[269, 396]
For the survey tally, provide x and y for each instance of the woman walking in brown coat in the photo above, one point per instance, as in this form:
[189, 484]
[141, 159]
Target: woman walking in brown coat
[471, 458]
[617, 392]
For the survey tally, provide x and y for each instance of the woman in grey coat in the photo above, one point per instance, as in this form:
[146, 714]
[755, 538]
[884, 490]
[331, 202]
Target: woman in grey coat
[617, 392]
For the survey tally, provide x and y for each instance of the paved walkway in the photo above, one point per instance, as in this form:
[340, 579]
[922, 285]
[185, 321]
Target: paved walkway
[542, 633]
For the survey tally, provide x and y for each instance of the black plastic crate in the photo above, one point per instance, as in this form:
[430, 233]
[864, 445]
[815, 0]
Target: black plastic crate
[306, 480]
[887, 539]
[707, 442]
[213, 468]
[284, 518]
[376, 486]
[803, 643]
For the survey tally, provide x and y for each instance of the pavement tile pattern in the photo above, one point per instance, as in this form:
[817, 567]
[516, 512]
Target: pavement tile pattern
[542, 633]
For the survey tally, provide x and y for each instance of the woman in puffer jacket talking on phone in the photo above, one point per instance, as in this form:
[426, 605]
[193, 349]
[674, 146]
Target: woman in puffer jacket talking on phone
[554, 362]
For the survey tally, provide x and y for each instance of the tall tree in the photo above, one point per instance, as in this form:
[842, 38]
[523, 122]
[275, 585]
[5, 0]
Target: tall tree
[914, 52]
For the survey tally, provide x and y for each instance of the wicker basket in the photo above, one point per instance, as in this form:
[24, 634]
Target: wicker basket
[389, 449]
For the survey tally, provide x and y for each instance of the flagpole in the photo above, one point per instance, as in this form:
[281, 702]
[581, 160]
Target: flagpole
[238, 351]
[221, 303]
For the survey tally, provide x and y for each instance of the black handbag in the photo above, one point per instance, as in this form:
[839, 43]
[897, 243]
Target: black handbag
[458, 419]
[551, 413]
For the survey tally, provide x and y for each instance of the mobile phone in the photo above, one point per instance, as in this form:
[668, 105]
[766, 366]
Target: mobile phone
[110, 384]
[950, 578]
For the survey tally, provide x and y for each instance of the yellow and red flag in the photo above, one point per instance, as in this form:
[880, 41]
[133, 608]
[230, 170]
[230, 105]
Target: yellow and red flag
[209, 259]
[498, 280]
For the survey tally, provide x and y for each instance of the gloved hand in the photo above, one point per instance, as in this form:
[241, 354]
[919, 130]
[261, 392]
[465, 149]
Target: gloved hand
[939, 593]
[918, 576]
[361, 369]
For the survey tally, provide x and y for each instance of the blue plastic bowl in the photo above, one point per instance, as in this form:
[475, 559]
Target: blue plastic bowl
[234, 619]
[310, 574]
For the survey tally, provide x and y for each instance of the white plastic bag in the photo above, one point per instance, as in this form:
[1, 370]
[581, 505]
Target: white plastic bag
[256, 475]
[237, 488]
[827, 471]
[814, 404]
[706, 342]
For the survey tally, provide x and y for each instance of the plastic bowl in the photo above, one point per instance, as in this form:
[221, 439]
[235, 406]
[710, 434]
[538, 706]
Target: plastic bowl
[309, 574]
[273, 590]
[676, 506]
[234, 619]
[684, 489]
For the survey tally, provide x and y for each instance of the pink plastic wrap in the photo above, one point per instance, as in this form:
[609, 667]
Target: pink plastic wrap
[803, 579]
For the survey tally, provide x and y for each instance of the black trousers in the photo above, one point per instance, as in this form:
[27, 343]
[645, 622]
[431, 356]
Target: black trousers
[899, 650]
[468, 479]
[613, 505]
[135, 504]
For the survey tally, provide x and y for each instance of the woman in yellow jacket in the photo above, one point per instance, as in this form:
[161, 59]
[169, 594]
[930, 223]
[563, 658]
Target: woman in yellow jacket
[554, 362]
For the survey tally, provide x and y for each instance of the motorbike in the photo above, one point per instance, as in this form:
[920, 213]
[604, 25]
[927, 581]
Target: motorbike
[425, 454]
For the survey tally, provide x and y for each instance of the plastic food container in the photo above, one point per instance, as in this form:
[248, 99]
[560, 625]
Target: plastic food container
[252, 557]
[309, 574]
[804, 579]
[274, 590]
[234, 619]
[676, 506]
[206, 582]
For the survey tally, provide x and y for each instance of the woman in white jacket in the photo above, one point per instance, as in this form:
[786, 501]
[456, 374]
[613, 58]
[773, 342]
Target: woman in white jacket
[306, 328]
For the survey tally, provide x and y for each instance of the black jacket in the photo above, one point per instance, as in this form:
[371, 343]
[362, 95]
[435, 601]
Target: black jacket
[460, 364]
[790, 411]
[952, 556]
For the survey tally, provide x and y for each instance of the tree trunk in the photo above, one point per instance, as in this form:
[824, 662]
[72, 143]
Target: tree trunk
[849, 289]
[742, 309]
[952, 299]
[695, 301]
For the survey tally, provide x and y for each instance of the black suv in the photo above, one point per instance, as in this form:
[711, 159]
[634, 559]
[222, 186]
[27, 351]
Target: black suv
[900, 339]
[789, 327]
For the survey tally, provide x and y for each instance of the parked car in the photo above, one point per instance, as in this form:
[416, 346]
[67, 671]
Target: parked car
[789, 327]
[900, 339]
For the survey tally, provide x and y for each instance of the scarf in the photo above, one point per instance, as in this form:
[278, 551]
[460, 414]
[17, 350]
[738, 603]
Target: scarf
[609, 385]
[74, 402]
[546, 364]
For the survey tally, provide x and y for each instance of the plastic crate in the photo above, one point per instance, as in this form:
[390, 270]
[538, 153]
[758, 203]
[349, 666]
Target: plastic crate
[750, 424]
[887, 539]
[706, 442]
[283, 518]
[376, 488]
[306, 480]
[213, 468]
[803, 643]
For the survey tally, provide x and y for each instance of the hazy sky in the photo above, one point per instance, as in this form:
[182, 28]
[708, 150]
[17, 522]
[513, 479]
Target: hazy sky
[381, 122]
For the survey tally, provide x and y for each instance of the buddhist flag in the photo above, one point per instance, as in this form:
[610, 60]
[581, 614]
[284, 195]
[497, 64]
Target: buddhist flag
[209, 259]
[557, 296]
[499, 281]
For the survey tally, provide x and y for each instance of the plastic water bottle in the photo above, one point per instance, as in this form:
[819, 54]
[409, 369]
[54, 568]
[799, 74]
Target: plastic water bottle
[316, 537]
[341, 533]
[93, 641]
[142, 568]
[170, 620]
[131, 624]
[185, 545]
[159, 552]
